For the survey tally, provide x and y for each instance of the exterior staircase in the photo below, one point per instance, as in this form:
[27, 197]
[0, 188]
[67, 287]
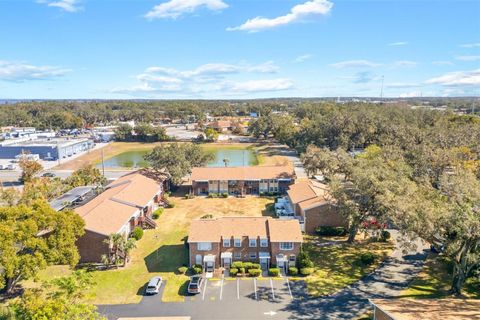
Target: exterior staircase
[149, 223]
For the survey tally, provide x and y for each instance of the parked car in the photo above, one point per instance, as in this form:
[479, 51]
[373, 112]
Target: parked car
[195, 284]
[48, 175]
[153, 286]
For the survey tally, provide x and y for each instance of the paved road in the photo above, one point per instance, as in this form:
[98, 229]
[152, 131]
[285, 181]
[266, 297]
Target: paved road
[388, 281]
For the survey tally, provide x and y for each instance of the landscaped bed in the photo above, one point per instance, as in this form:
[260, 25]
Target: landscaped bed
[339, 265]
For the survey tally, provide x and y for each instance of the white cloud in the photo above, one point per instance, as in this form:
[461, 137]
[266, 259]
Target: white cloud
[468, 58]
[207, 78]
[442, 63]
[175, 8]
[20, 71]
[297, 13]
[355, 64]
[470, 45]
[65, 5]
[404, 63]
[458, 78]
[397, 44]
[262, 85]
[302, 58]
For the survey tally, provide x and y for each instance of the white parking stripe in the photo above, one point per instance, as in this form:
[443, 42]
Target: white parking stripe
[221, 289]
[238, 289]
[255, 286]
[204, 289]
[288, 285]
[273, 291]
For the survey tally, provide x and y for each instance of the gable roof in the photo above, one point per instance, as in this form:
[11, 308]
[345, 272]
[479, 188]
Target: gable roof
[242, 173]
[213, 230]
[308, 194]
[110, 210]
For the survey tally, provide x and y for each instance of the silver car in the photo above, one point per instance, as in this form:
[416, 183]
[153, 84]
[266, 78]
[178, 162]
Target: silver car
[153, 286]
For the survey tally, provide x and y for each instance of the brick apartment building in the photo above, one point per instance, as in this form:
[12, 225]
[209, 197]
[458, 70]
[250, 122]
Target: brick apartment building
[312, 205]
[248, 180]
[124, 204]
[216, 243]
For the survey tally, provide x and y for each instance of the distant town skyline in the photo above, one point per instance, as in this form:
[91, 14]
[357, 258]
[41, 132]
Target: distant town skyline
[226, 49]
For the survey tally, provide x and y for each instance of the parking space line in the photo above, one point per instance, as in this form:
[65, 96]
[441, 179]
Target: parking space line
[273, 291]
[221, 289]
[238, 289]
[204, 289]
[288, 285]
[255, 287]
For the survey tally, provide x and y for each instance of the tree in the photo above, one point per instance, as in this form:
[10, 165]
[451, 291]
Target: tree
[328, 163]
[178, 159]
[57, 300]
[123, 132]
[142, 131]
[448, 217]
[29, 168]
[9, 196]
[120, 249]
[32, 237]
[211, 134]
[159, 134]
[87, 175]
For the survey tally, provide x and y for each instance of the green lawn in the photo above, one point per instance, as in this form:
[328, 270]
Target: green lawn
[338, 266]
[434, 281]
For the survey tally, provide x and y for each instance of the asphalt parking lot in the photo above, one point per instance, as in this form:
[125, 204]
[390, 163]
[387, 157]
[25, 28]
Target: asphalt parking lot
[273, 290]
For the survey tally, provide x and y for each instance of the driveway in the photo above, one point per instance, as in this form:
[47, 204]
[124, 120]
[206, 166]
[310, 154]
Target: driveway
[277, 299]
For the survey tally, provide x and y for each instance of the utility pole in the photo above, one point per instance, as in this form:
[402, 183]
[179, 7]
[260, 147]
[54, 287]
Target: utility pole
[103, 164]
[381, 89]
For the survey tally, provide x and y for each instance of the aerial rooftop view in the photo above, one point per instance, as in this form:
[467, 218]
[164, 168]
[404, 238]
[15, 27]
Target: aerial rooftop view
[239, 160]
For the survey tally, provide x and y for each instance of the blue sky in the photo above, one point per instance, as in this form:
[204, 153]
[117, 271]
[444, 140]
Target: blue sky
[238, 48]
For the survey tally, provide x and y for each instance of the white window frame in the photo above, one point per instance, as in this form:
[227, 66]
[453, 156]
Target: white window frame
[264, 243]
[252, 240]
[204, 246]
[226, 242]
[283, 246]
[237, 255]
[237, 244]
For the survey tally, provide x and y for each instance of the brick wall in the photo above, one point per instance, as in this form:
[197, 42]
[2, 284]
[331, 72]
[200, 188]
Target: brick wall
[91, 247]
[215, 251]
[276, 250]
[325, 215]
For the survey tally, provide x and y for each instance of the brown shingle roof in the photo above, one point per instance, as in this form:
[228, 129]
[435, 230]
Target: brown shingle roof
[308, 193]
[213, 230]
[242, 173]
[110, 210]
[430, 309]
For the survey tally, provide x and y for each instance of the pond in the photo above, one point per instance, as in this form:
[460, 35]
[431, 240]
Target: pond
[236, 157]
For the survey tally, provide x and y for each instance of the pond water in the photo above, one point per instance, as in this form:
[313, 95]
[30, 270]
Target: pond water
[236, 157]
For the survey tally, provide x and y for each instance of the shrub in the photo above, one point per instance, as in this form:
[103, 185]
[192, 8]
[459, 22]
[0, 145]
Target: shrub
[255, 272]
[304, 261]
[237, 264]
[385, 235]
[330, 231]
[225, 195]
[182, 270]
[292, 271]
[256, 266]
[171, 205]
[189, 196]
[212, 195]
[207, 216]
[367, 258]
[248, 265]
[196, 269]
[274, 272]
[241, 270]
[137, 233]
[306, 271]
[157, 213]
[233, 271]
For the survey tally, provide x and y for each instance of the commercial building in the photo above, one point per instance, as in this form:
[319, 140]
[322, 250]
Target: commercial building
[216, 243]
[242, 181]
[47, 149]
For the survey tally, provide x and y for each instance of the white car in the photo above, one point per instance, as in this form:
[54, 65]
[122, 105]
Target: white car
[153, 286]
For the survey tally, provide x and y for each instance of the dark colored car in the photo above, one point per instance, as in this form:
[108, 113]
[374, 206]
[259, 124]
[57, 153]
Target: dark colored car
[195, 284]
[48, 175]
